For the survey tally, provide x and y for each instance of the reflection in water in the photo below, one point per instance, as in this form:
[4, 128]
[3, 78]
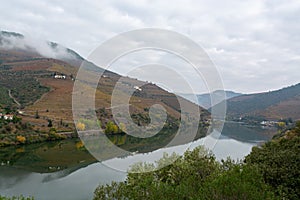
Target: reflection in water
[47, 157]
[78, 185]
[64, 170]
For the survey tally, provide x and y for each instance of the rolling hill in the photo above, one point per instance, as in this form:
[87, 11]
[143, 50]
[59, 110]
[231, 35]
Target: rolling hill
[273, 105]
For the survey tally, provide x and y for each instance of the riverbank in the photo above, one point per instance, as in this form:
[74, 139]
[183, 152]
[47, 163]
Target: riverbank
[32, 137]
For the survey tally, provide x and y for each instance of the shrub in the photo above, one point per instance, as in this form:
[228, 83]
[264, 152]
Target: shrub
[16, 198]
[21, 139]
[195, 175]
[52, 136]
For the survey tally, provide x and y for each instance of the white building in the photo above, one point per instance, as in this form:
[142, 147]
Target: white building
[6, 116]
[59, 76]
[137, 88]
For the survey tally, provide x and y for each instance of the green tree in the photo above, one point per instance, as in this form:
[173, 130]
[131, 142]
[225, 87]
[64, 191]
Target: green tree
[195, 175]
[278, 161]
[50, 123]
[16, 119]
[296, 130]
[37, 116]
[239, 181]
[111, 128]
[16, 198]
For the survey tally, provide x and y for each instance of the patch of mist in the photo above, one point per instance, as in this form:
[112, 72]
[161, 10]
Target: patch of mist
[10, 41]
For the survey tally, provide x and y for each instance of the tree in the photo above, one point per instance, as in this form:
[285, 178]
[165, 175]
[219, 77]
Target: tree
[16, 119]
[122, 127]
[239, 181]
[80, 126]
[278, 161]
[21, 139]
[37, 116]
[111, 128]
[52, 130]
[195, 175]
[16, 198]
[50, 123]
[115, 129]
[281, 125]
[297, 128]
[79, 145]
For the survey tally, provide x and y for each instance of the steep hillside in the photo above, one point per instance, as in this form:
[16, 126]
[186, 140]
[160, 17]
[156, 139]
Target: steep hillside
[29, 77]
[274, 105]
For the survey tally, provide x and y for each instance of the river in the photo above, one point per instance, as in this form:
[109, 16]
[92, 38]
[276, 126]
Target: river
[62, 170]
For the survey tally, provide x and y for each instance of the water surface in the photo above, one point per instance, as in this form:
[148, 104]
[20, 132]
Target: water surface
[64, 170]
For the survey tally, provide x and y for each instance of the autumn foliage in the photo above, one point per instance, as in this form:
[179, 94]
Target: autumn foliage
[21, 139]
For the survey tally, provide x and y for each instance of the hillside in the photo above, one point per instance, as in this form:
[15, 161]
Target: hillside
[27, 76]
[273, 105]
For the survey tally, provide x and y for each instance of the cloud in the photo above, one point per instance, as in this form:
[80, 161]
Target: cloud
[40, 46]
[254, 43]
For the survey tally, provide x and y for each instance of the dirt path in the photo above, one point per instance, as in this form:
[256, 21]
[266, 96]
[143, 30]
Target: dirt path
[37, 101]
[13, 98]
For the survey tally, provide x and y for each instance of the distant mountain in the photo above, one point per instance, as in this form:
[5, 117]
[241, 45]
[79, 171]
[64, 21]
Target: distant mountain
[204, 100]
[273, 105]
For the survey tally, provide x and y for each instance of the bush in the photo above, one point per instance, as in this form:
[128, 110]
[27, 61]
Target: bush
[196, 175]
[52, 136]
[16, 198]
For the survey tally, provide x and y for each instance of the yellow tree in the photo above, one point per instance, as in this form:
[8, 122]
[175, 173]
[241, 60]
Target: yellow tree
[21, 139]
[281, 125]
[122, 127]
[80, 126]
[79, 145]
[115, 129]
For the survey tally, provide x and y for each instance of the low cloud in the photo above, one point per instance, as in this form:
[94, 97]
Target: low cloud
[40, 46]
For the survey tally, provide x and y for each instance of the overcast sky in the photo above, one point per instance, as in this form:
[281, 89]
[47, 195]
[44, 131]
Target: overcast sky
[254, 43]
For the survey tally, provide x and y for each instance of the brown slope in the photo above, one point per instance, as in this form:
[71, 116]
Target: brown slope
[273, 105]
[57, 103]
[284, 110]
[13, 55]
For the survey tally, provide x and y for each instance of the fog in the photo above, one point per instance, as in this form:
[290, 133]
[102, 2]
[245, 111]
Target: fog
[9, 41]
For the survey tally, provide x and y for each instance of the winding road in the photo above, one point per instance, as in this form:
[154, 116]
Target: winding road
[13, 98]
